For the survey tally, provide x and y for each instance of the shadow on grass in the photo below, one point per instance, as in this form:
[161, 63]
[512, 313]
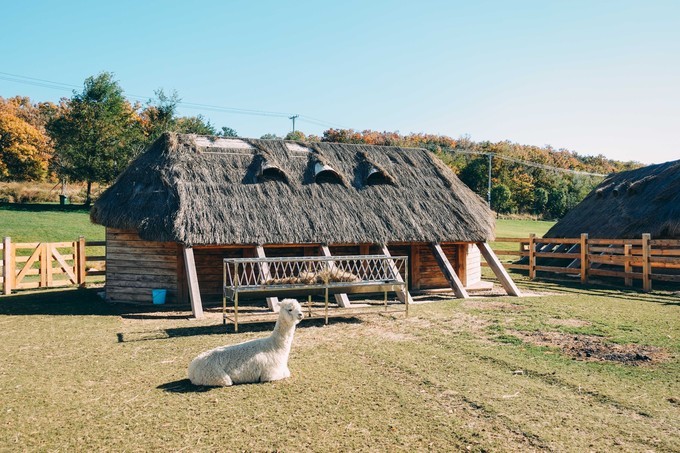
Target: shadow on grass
[661, 295]
[67, 302]
[43, 207]
[183, 386]
[221, 329]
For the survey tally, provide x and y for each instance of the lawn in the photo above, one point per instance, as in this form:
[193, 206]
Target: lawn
[81, 375]
[47, 223]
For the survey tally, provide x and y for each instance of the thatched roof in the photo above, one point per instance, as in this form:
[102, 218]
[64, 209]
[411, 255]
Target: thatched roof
[627, 204]
[211, 190]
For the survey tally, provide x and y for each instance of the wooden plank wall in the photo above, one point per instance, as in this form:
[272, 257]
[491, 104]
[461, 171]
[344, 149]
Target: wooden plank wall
[135, 267]
[209, 269]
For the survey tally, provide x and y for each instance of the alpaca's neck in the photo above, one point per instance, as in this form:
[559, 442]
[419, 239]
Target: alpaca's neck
[283, 333]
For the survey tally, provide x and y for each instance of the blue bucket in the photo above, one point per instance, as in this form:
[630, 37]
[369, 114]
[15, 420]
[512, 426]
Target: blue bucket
[159, 296]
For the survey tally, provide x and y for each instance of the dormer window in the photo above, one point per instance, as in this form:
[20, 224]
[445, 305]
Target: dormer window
[270, 172]
[376, 177]
[326, 174]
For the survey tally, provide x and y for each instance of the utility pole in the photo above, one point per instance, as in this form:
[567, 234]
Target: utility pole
[488, 193]
[293, 118]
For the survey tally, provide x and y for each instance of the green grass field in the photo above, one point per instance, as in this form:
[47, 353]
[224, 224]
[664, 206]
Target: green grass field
[47, 223]
[81, 375]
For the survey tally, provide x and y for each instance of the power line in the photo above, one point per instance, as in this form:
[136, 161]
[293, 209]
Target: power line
[16, 78]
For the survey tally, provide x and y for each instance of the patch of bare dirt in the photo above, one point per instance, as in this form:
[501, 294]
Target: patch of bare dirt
[568, 322]
[487, 305]
[588, 347]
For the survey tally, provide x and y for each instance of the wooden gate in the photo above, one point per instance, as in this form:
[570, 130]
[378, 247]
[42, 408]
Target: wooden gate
[30, 265]
[49, 264]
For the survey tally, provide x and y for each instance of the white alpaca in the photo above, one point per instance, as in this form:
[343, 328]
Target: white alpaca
[261, 360]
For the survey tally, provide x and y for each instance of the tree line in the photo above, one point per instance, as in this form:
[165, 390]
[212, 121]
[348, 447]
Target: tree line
[93, 135]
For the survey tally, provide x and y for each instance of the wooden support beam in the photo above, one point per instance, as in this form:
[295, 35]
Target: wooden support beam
[341, 299]
[498, 269]
[272, 302]
[192, 281]
[447, 270]
[403, 296]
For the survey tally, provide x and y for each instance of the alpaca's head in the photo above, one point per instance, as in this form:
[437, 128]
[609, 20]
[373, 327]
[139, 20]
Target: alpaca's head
[291, 311]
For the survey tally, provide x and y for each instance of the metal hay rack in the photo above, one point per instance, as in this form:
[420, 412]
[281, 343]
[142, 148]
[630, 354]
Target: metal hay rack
[318, 275]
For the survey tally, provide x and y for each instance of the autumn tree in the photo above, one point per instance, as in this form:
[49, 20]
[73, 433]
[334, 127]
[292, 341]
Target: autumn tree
[97, 133]
[25, 148]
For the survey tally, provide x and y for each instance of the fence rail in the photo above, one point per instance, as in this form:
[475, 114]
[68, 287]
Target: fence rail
[27, 265]
[642, 259]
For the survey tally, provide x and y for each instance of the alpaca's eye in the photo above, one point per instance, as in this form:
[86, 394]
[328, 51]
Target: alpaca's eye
[290, 310]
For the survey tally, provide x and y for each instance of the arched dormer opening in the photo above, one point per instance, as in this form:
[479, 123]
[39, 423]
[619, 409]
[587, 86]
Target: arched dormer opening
[271, 172]
[376, 177]
[325, 174]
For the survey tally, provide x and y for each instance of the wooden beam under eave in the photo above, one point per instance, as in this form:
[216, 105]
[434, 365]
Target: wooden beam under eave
[403, 296]
[341, 299]
[498, 269]
[448, 271]
[192, 281]
[272, 302]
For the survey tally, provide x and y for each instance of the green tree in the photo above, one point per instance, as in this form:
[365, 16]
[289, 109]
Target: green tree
[557, 202]
[270, 137]
[96, 134]
[194, 125]
[501, 199]
[227, 132]
[297, 136]
[159, 114]
[540, 201]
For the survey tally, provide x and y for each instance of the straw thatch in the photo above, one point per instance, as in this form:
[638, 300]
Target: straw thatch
[627, 204]
[205, 190]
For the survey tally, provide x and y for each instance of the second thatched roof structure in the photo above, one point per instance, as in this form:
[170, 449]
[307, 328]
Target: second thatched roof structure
[628, 204]
[199, 190]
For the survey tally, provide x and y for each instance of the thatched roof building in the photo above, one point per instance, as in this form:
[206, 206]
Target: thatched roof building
[628, 204]
[210, 190]
[221, 197]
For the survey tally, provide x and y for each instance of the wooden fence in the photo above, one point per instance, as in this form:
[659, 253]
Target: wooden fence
[27, 265]
[627, 259]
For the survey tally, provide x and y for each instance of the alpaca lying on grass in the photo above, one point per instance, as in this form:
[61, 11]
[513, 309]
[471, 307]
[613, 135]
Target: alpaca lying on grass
[261, 360]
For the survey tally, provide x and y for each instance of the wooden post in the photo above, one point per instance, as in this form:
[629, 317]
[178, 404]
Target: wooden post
[43, 264]
[48, 250]
[449, 273]
[627, 267]
[192, 280]
[364, 249]
[498, 269]
[8, 273]
[81, 261]
[646, 264]
[532, 256]
[584, 258]
[403, 296]
[341, 299]
[272, 302]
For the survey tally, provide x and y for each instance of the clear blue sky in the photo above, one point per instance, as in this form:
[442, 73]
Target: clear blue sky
[595, 76]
